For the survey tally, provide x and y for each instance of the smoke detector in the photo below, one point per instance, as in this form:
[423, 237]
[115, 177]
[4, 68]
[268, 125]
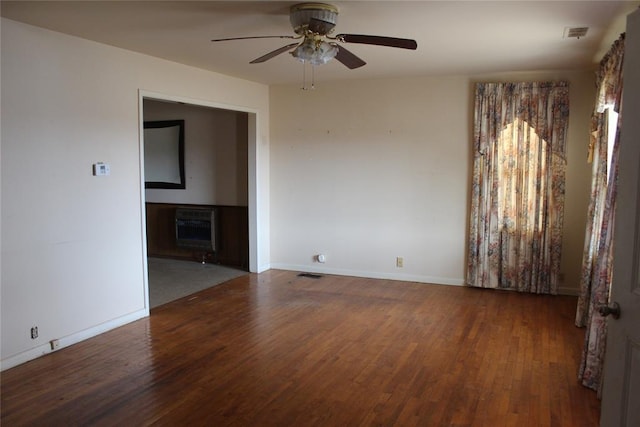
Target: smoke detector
[575, 32]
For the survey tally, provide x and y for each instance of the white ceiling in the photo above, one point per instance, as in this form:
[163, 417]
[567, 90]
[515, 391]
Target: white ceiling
[454, 37]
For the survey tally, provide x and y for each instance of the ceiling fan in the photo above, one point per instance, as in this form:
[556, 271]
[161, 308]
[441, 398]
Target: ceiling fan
[313, 24]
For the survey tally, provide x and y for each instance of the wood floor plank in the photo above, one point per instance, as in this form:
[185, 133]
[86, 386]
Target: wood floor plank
[276, 349]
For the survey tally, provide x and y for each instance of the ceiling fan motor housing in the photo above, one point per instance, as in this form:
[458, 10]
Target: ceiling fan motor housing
[301, 14]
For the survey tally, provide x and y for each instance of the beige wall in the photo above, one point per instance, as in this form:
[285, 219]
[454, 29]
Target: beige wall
[366, 171]
[361, 171]
[73, 260]
[215, 154]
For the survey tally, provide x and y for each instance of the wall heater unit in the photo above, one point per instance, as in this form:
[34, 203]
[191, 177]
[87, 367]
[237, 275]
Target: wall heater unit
[196, 228]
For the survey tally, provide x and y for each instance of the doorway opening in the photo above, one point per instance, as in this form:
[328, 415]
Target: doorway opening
[219, 161]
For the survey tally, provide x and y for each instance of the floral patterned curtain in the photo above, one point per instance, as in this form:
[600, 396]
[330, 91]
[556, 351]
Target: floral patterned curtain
[597, 260]
[517, 200]
[599, 172]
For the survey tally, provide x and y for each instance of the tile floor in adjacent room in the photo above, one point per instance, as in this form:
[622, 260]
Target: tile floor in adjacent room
[171, 279]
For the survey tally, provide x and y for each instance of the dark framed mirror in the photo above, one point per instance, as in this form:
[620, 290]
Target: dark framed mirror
[164, 154]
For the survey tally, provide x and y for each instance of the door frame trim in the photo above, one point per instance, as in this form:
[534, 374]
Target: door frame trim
[252, 133]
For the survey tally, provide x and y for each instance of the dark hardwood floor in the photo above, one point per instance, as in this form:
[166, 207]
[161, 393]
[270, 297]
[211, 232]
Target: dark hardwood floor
[276, 349]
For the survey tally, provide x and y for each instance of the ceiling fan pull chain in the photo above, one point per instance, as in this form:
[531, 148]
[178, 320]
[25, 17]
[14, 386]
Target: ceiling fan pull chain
[304, 76]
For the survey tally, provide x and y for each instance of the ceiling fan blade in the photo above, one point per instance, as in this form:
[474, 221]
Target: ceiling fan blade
[348, 59]
[276, 52]
[378, 40]
[319, 26]
[256, 37]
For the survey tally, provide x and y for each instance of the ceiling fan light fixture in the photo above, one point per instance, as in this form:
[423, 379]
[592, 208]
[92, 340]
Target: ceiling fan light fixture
[315, 52]
[305, 50]
[325, 53]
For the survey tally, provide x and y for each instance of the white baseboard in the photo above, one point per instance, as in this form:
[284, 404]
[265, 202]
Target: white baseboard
[391, 276]
[43, 349]
[262, 268]
[370, 274]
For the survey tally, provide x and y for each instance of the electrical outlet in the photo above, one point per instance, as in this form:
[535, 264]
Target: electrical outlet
[399, 262]
[34, 332]
[55, 344]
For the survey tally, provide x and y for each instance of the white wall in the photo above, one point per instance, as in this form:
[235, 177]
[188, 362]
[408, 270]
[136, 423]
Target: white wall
[72, 244]
[366, 171]
[362, 171]
[578, 183]
[215, 154]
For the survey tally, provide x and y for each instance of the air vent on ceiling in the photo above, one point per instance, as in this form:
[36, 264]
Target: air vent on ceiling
[575, 32]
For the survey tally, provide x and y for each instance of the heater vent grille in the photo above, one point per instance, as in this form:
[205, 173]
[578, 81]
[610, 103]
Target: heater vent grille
[196, 228]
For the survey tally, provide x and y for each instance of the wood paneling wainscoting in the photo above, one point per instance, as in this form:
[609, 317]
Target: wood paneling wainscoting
[232, 233]
[276, 349]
